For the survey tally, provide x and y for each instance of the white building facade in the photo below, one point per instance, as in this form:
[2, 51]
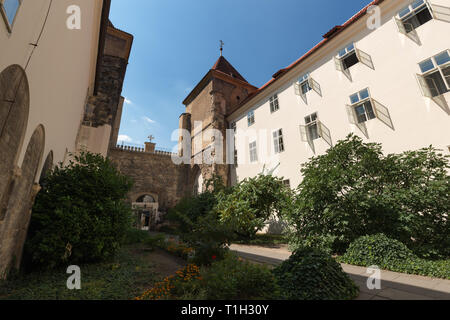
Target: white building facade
[389, 84]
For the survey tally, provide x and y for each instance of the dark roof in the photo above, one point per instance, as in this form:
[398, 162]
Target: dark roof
[224, 66]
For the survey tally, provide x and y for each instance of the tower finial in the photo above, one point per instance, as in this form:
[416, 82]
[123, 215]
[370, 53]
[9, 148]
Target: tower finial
[221, 47]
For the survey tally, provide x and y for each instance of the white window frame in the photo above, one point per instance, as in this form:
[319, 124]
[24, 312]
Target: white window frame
[253, 150]
[361, 102]
[278, 141]
[312, 123]
[436, 67]
[251, 118]
[9, 24]
[274, 103]
[414, 11]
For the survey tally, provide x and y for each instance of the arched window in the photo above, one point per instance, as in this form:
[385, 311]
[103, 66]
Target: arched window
[146, 199]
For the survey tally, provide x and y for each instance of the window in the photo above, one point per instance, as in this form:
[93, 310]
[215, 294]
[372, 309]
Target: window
[274, 105]
[348, 56]
[287, 183]
[362, 104]
[435, 77]
[253, 152]
[9, 10]
[251, 118]
[415, 15]
[312, 126]
[278, 141]
[304, 84]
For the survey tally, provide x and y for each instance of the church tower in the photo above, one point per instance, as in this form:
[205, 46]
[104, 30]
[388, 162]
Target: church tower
[217, 95]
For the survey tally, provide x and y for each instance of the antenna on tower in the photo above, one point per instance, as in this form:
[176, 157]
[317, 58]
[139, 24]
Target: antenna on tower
[221, 47]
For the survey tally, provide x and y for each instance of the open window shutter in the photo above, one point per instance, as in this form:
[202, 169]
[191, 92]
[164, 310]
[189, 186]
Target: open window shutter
[351, 114]
[354, 120]
[304, 133]
[315, 86]
[426, 90]
[400, 26]
[339, 65]
[297, 89]
[325, 133]
[439, 12]
[382, 113]
[364, 58]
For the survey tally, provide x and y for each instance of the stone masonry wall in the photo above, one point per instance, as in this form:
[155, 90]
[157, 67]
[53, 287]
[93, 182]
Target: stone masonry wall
[153, 174]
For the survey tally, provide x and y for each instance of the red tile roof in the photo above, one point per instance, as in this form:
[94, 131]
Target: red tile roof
[327, 37]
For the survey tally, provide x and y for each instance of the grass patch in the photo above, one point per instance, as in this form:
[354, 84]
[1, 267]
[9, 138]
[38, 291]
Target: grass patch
[122, 278]
[264, 240]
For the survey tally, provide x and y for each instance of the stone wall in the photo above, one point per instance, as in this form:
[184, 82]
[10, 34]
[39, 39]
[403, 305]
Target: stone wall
[153, 173]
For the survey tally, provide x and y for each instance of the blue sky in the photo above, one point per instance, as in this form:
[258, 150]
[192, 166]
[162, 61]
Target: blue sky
[176, 42]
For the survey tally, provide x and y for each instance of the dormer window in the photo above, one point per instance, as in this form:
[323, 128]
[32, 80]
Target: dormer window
[9, 9]
[415, 15]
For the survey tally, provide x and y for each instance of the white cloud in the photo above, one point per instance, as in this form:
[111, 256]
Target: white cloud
[149, 120]
[128, 101]
[124, 138]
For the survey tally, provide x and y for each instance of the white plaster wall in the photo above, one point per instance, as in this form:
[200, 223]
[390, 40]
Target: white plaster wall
[61, 70]
[418, 121]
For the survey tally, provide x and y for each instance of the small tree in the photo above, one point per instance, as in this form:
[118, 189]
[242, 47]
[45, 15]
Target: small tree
[252, 202]
[353, 190]
[80, 215]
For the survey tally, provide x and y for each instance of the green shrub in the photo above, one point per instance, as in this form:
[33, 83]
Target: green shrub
[153, 242]
[252, 202]
[310, 274]
[235, 279]
[354, 190]
[392, 255]
[377, 250]
[135, 236]
[80, 215]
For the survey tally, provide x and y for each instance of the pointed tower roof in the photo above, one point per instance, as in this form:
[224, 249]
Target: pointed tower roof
[224, 66]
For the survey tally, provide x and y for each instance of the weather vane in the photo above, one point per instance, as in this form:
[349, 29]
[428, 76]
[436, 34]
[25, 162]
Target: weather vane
[151, 138]
[221, 47]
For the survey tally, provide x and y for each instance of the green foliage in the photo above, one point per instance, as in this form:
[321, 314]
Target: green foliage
[80, 215]
[122, 278]
[199, 223]
[310, 274]
[233, 279]
[135, 236]
[353, 190]
[252, 202]
[392, 255]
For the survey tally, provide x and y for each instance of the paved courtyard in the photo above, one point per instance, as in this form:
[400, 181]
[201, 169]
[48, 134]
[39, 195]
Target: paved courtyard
[394, 285]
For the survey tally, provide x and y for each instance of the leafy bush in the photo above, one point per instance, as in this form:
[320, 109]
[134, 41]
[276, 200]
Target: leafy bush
[252, 202]
[134, 236]
[310, 274]
[354, 190]
[80, 215]
[392, 255]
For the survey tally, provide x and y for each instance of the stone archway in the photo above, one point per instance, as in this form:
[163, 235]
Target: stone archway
[14, 109]
[18, 213]
[48, 166]
[146, 209]
[198, 181]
